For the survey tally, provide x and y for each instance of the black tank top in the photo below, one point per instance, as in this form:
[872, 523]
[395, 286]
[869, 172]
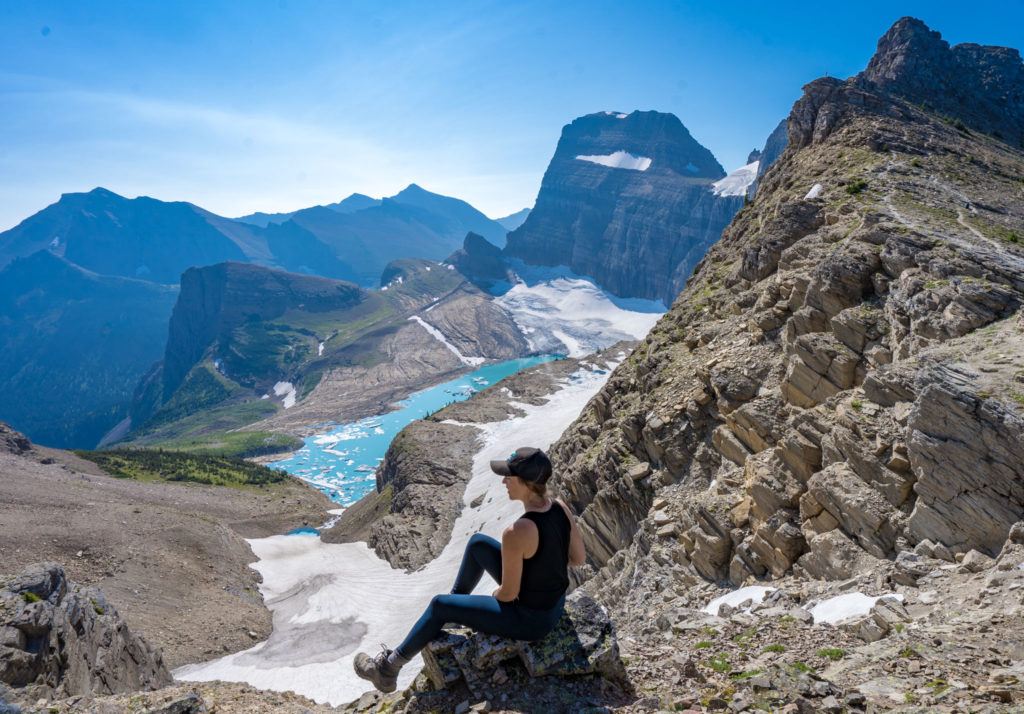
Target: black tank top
[546, 575]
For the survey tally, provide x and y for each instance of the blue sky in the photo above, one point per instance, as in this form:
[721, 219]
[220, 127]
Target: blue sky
[245, 106]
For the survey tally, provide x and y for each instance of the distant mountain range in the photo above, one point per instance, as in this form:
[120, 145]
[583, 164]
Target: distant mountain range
[351, 204]
[88, 283]
[157, 240]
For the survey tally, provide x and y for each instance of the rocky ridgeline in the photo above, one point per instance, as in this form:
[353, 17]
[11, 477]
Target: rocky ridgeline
[58, 640]
[840, 383]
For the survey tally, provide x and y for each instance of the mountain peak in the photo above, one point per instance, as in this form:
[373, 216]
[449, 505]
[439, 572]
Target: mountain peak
[982, 86]
[413, 188]
[98, 192]
[639, 140]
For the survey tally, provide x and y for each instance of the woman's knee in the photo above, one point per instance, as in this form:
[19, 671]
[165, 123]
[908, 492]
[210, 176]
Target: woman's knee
[481, 545]
[479, 540]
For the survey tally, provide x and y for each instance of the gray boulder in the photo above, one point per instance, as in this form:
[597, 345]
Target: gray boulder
[582, 643]
[58, 639]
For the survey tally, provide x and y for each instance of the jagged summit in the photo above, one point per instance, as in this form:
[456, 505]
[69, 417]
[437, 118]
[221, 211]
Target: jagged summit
[983, 86]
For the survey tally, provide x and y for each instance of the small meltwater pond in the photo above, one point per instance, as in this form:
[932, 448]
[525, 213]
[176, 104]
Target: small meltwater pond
[342, 462]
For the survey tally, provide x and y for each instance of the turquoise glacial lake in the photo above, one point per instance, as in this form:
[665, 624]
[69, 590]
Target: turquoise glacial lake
[342, 462]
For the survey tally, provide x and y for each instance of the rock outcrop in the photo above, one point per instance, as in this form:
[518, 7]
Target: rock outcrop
[13, 442]
[582, 643]
[840, 381]
[58, 639]
[480, 261]
[627, 200]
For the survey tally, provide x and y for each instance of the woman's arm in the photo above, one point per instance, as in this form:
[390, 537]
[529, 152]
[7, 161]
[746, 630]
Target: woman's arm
[577, 553]
[515, 542]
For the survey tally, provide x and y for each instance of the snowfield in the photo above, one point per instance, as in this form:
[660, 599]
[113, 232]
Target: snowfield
[561, 312]
[736, 183]
[619, 160]
[331, 601]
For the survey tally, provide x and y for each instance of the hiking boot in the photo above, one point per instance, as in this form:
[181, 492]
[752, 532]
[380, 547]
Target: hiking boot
[383, 674]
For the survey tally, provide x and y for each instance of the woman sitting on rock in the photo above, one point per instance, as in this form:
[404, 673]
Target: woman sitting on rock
[531, 565]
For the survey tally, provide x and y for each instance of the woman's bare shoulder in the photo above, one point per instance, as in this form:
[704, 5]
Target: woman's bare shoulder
[522, 526]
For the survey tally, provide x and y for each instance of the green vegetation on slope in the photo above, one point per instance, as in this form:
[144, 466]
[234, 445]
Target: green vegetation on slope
[240, 444]
[202, 388]
[159, 465]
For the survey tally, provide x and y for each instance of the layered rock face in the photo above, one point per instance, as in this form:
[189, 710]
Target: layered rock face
[626, 200]
[58, 639]
[840, 381]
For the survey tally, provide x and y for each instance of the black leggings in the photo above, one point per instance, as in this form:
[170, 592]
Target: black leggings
[481, 612]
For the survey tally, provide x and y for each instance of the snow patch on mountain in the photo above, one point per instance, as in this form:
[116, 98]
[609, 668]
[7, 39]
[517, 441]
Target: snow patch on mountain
[736, 183]
[754, 593]
[286, 391]
[619, 160]
[561, 312]
[439, 336]
[846, 606]
[331, 601]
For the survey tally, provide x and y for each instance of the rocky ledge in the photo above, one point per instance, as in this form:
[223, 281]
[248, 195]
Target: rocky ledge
[59, 639]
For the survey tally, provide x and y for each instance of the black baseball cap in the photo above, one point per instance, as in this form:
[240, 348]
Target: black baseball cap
[527, 463]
